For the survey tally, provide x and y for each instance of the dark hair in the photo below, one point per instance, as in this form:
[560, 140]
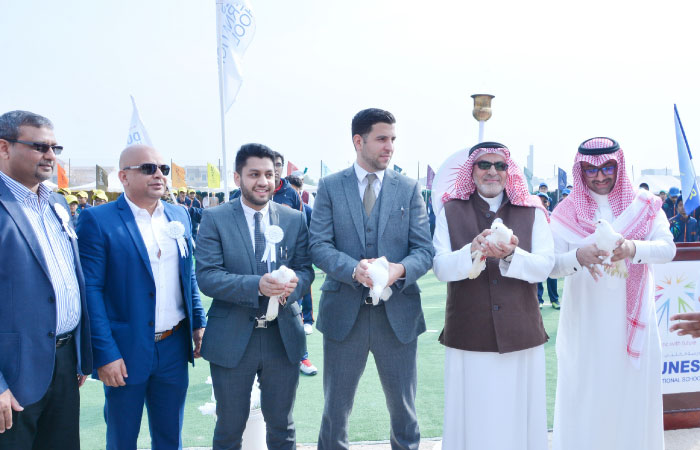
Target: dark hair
[11, 121]
[679, 200]
[364, 120]
[644, 186]
[295, 181]
[257, 150]
[278, 155]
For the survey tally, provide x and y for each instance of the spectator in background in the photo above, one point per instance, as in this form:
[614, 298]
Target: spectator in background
[182, 197]
[683, 227]
[284, 193]
[669, 204]
[82, 201]
[296, 180]
[72, 201]
[565, 193]
[551, 282]
[193, 200]
[100, 199]
[644, 186]
[662, 195]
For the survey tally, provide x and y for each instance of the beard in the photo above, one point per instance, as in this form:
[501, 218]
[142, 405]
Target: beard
[250, 197]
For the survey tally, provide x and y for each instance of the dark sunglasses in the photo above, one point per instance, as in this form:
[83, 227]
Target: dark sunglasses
[39, 146]
[607, 171]
[150, 168]
[486, 165]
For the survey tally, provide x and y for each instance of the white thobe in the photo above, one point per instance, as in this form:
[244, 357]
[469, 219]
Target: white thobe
[603, 401]
[495, 401]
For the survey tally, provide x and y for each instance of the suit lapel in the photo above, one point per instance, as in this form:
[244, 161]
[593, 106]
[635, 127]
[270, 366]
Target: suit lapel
[352, 194]
[242, 225]
[8, 200]
[128, 217]
[387, 195]
[275, 220]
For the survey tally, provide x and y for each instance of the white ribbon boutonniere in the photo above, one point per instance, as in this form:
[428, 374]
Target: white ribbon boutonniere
[176, 230]
[273, 235]
[65, 220]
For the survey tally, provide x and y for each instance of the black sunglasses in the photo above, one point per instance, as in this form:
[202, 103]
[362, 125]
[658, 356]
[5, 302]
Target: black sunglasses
[39, 146]
[486, 165]
[150, 168]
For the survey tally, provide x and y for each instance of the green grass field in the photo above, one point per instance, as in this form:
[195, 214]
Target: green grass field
[369, 420]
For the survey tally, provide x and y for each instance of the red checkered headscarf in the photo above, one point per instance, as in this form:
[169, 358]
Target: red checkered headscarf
[576, 213]
[454, 179]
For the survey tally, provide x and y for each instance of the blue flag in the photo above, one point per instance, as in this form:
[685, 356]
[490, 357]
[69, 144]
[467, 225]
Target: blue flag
[397, 169]
[561, 179]
[685, 166]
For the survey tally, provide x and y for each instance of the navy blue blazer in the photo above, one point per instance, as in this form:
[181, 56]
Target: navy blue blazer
[28, 307]
[121, 290]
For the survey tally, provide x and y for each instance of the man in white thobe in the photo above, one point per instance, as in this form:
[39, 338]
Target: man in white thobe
[608, 347]
[494, 336]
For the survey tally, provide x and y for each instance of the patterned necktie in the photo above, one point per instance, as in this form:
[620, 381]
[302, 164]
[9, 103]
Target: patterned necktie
[259, 245]
[369, 199]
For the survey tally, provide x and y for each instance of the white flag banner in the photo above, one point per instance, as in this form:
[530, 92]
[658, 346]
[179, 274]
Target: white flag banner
[235, 26]
[137, 132]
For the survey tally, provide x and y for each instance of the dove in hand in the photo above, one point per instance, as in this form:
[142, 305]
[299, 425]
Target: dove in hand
[284, 275]
[500, 234]
[606, 239]
[379, 273]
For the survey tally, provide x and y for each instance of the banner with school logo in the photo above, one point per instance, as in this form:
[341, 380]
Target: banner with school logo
[678, 291]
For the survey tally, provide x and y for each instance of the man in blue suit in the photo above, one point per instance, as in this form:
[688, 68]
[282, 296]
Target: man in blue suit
[144, 304]
[242, 340]
[44, 329]
[364, 212]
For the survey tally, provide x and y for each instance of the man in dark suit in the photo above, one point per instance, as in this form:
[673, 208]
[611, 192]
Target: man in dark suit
[44, 328]
[144, 304]
[364, 212]
[233, 266]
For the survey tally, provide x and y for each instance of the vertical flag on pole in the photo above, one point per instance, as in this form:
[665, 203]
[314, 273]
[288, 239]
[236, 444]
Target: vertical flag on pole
[213, 177]
[429, 178]
[101, 178]
[137, 132]
[291, 168]
[235, 30]
[178, 174]
[324, 169]
[397, 169]
[561, 178]
[62, 177]
[685, 166]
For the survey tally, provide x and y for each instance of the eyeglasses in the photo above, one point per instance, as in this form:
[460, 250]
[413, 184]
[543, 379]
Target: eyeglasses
[150, 168]
[39, 146]
[278, 165]
[486, 165]
[593, 172]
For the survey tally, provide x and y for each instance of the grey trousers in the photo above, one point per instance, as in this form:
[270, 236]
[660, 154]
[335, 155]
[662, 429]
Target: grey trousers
[343, 364]
[265, 356]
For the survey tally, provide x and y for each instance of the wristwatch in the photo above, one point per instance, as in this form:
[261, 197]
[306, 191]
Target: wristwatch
[509, 258]
[353, 273]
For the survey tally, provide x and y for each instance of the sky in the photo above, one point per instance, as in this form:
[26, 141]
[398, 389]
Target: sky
[561, 72]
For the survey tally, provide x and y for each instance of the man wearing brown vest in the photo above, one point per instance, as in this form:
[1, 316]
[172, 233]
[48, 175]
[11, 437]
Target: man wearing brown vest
[494, 336]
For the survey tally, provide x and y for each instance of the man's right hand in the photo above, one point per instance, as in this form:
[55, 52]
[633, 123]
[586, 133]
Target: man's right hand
[590, 258]
[7, 404]
[362, 272]
[113, 374]
[270, 287]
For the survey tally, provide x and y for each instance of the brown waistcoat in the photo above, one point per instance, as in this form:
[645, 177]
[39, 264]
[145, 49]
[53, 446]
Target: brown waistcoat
[491, 313]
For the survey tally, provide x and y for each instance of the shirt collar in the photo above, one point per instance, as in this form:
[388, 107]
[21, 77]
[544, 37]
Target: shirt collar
[21, 192]
[138, 211]
[250, 212]
[362, 173]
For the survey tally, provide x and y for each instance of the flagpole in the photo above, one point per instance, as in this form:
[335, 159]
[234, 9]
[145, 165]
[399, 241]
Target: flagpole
[221, 106]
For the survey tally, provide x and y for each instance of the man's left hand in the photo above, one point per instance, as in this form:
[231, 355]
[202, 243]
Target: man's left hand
[197, 338]
[500, 250]
[691, 325]
[396, 271]
[625, 249]
[289, 287]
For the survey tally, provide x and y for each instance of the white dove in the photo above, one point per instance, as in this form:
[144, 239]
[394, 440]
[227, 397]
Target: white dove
[284, 274]
[501, 234]
[606, 238]
[379, 273]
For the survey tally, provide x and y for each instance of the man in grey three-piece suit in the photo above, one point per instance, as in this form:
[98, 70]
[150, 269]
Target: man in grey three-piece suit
[365, 212]
[233, 269]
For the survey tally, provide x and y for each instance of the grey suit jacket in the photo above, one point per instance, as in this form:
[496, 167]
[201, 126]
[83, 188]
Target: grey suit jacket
[225, 267]
[337, 244]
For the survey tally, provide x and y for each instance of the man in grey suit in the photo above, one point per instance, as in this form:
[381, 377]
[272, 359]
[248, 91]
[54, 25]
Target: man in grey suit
[233, 268]
[365, 212]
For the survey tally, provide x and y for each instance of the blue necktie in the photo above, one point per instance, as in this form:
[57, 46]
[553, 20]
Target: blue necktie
[259, 245]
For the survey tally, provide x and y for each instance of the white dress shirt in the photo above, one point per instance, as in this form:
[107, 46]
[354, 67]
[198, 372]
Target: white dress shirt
[249, 214]
[362, 181]
[164, 256]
